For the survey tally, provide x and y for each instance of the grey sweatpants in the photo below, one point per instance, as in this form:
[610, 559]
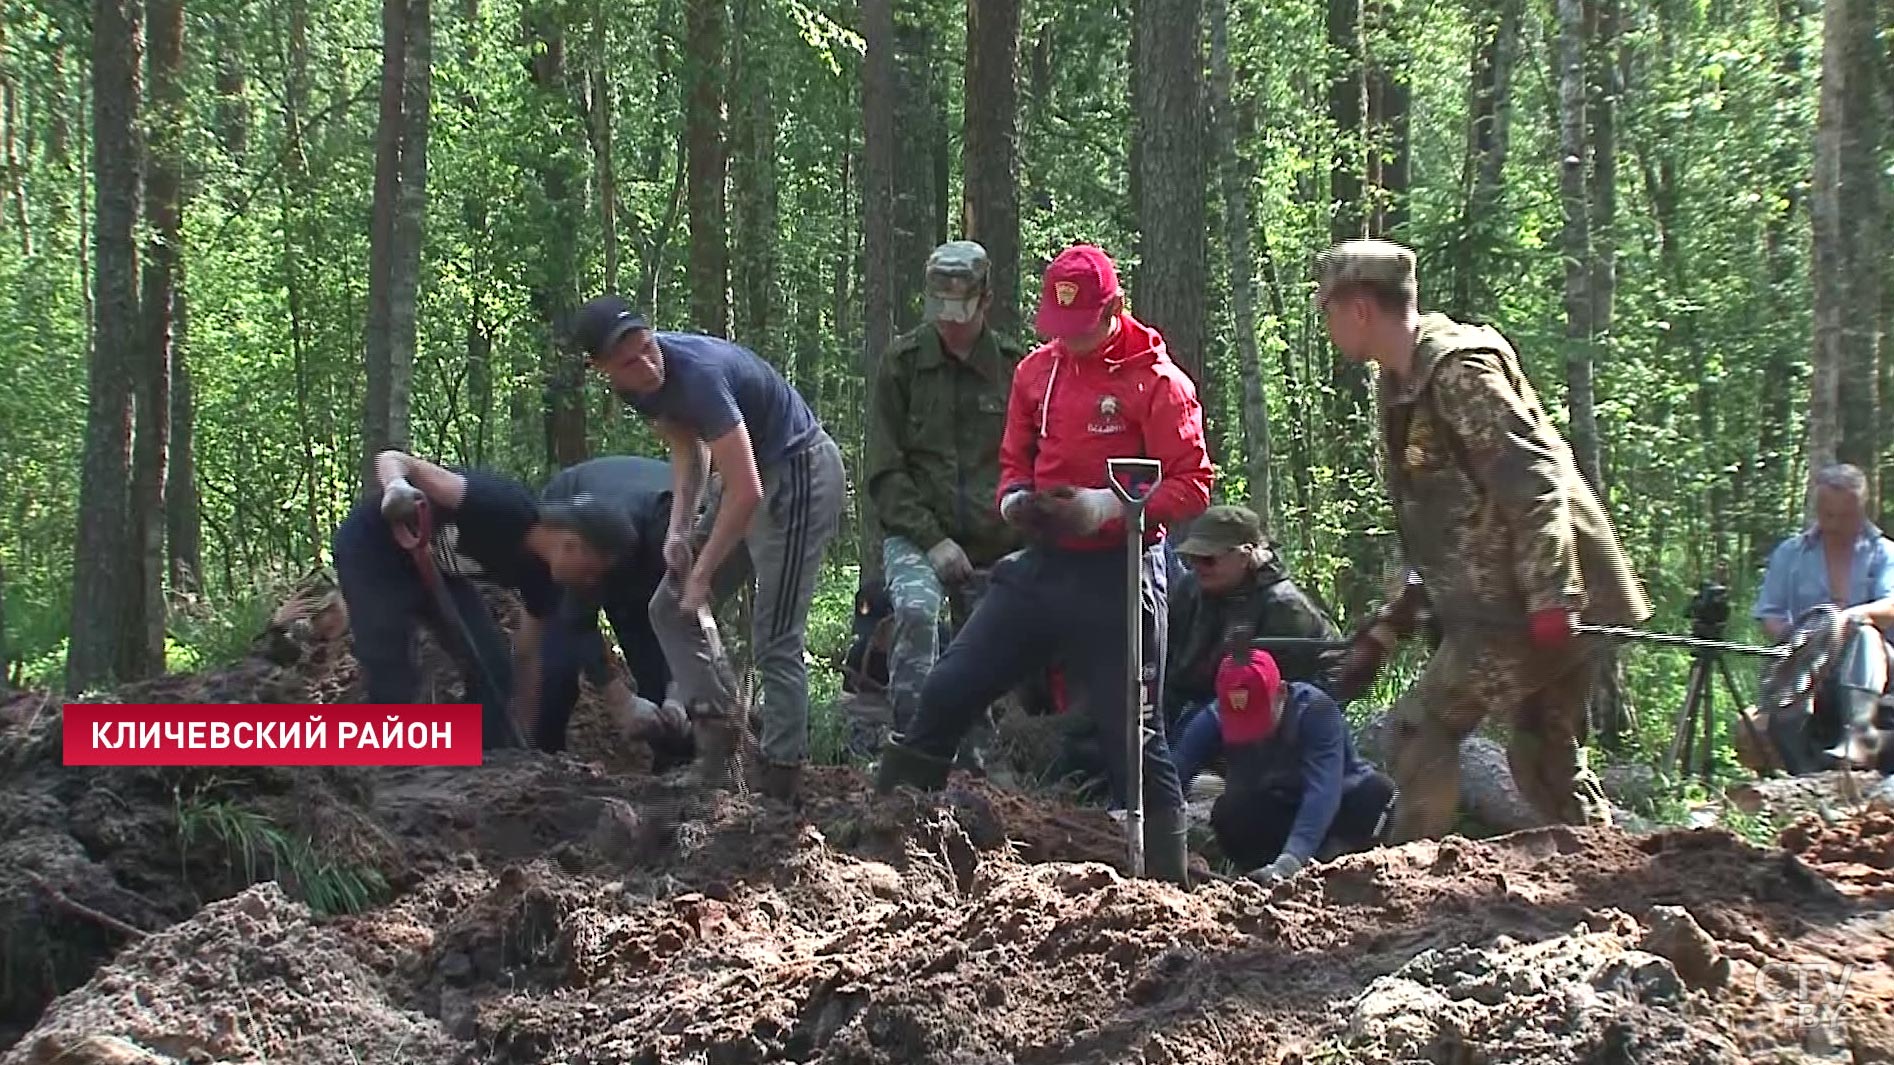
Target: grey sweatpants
[782, 553]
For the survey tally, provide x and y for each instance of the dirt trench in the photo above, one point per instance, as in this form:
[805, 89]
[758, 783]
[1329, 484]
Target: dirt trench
[579, 909]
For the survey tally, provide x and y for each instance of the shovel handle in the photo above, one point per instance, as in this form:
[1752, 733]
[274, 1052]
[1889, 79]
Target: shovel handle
[1125, 473]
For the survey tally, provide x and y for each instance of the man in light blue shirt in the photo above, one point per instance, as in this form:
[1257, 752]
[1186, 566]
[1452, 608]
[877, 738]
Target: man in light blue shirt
[1841, 560]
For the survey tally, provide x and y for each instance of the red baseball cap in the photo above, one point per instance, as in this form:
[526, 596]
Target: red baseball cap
[1246, 696]
[1077, 286]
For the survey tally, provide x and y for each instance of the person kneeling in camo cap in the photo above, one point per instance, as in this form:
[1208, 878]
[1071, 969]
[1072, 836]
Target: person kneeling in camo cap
[1511, 545]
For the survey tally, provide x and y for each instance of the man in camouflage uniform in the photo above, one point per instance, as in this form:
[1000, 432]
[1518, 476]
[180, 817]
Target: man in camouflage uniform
[1509, 543]
[936, 416]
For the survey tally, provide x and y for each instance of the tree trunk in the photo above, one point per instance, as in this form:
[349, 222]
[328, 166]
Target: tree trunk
[143, 650]
[378, 428]
[1390, 155]
[183, 508]
[878, 218]
[410, 215]
[1170, 114]
[920, 131]
[1482, 191]
[555, 289]
[14, 162]
[601, 130]
[1575, 237]
[1347, 103]
[753, 167]
[709, 254]
[233, 109]
[100, 591]
[1771, 487]
[1847, 243]
[990, 154]
[1235, 173]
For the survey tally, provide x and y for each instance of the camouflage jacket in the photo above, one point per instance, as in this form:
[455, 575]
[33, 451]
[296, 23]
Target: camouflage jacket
[934, 432]
[1203, 628]
[1490, 506]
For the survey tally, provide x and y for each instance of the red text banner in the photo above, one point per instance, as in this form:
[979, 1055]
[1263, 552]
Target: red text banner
[270, 734]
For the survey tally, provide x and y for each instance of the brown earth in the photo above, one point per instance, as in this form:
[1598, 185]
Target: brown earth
[575, 909]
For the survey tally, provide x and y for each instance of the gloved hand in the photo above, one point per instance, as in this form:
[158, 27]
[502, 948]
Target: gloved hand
[400, 501]
[1367, 653]
[1285, 866]
[678, 555]
[949, 561]
[1550, 627]
[1079, 511]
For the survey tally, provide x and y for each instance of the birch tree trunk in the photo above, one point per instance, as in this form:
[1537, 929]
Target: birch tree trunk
[1575, 237]
[1848, 253]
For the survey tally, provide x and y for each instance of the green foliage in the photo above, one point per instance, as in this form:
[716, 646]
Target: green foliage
[257, 848]
[1700, 383]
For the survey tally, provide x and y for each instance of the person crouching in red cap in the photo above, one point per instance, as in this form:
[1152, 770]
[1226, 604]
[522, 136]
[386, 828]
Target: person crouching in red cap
[1294, 786]
[1103, 387]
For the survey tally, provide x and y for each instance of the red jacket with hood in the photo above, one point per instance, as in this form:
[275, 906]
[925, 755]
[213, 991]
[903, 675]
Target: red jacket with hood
[1067, 414]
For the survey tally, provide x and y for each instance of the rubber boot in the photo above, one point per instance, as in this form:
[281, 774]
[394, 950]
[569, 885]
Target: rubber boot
[901, 764]
[719, 750]
[783, 783]
[1167, 846]
[1859, 745]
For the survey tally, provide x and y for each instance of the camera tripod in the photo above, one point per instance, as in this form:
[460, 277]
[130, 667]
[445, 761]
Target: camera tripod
[1709, 616]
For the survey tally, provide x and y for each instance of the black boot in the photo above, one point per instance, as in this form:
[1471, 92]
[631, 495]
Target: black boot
[901, 764]
[719, 750]
[783, 783]
[1167, 846]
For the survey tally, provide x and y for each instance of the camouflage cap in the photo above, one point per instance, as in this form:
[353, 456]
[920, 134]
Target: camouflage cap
[956, 279]
[1220, 529]
[1380, 264]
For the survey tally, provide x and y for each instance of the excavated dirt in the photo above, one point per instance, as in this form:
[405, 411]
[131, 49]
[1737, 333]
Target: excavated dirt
[577, 909]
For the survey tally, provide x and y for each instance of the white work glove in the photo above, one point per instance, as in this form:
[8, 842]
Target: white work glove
[400, 500]
[1089, 508]
[1009, 507]
[949, 561]
[1284, 867]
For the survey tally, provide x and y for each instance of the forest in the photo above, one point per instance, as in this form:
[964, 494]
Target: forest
[245, 244]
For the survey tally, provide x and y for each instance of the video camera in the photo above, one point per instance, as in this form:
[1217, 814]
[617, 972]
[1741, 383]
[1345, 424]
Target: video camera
[1709, 611]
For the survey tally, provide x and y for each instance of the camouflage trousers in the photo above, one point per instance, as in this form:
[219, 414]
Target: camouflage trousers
[1542, 694]
[917, 596]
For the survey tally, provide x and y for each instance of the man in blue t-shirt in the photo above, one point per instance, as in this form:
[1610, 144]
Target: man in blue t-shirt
[719, 407]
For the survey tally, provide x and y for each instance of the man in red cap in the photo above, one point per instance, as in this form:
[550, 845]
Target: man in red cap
[1294, 788]
[1103, 387]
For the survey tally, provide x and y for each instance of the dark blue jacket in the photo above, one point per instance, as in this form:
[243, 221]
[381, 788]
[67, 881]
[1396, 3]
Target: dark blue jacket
[1309, 760]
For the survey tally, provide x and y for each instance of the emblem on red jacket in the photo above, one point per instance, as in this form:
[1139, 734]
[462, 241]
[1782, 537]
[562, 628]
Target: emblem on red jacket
[1107, 420]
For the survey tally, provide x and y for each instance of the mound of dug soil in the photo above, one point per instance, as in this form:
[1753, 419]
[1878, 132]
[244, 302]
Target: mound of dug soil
[909, 930]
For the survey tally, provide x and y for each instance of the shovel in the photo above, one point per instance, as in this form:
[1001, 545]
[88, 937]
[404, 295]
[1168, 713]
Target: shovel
[1133, 481]
[416, 539]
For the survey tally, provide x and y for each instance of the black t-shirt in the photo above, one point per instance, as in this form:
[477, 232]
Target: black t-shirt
[639, 486]
[485, 538]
